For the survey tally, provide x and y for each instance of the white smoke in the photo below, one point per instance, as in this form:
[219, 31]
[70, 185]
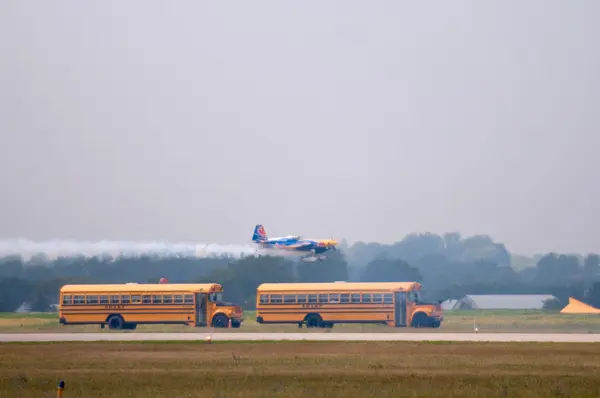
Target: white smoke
[54, 249]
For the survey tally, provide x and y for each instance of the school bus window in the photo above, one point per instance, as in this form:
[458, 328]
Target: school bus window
[79, 300]
[114, 299]
[189, 299]
[275, 299]
[388, 298]
[289, 299]
[264, 299]
[301, 298]
[146, 299]
[178, 299]
[92, 299]
[345, 298]
[377, 298]
[334, 298]
[366, 298]
[156, 299]
[125, 299]
[355, 297]
[67, 299]
[168, 299]
[103, 299]
[136, 299]
[312, 298]
[323, 298]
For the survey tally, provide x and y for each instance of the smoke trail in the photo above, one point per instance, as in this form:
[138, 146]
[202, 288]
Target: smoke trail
[68, 248]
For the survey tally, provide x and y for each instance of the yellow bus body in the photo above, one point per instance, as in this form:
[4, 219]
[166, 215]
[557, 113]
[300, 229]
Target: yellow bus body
[325, 304]
[124, 306]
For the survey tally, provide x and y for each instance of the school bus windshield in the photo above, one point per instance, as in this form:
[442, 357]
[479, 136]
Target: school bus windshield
[214, 297]
[415, 296]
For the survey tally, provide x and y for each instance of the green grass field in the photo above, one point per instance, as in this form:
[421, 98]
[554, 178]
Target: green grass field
[300, 369]
[455, 321]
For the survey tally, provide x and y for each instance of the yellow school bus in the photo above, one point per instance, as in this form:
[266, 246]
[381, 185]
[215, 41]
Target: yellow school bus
[325, 304]
[124, 306]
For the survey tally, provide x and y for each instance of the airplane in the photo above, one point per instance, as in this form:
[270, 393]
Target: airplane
[309, 250]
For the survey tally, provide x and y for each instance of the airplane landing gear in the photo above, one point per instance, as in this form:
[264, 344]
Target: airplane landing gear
[312, 259]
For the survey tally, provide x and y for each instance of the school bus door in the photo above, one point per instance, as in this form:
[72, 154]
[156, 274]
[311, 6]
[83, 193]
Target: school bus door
[201, 309]
[400, 309]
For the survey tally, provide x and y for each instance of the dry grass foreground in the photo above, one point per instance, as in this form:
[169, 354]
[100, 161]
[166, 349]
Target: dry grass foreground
[300, 369]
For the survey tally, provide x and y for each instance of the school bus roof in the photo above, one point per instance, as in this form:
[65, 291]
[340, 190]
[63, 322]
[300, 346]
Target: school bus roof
[339, 286]
[146, 287]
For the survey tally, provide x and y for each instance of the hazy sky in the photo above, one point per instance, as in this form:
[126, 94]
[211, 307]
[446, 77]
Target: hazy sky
[196, 120]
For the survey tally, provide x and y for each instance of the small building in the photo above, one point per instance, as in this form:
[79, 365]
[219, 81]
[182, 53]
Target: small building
[449, 304]
[502, 302]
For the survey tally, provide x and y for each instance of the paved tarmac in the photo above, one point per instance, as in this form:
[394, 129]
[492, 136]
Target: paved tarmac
[484, 337]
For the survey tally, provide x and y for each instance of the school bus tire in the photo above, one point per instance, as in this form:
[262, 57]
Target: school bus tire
[220, 321]
[313, 321]
[421, 320]
[115, 322]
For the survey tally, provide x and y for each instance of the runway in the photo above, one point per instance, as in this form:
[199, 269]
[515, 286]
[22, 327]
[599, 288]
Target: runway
[473, 337]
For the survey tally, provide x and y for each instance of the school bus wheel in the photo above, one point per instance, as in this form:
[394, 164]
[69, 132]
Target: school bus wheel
[313, 321]
[420, 320]
[115, 322]
[220, 321]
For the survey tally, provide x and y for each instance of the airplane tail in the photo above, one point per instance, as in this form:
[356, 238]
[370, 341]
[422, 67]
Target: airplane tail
[260, 235]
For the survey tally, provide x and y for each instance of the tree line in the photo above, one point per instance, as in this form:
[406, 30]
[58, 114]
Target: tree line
[448, 266]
